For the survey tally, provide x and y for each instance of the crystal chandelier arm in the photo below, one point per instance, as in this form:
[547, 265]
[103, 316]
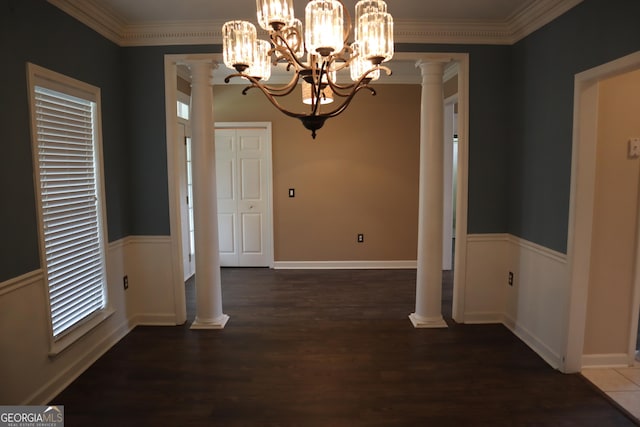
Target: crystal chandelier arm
[339, 89]
[286, 50]
[273, 90]
[270, 96]
[348, 100]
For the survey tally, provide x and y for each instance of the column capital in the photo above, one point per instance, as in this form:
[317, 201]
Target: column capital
[202, 70]
[432, 66]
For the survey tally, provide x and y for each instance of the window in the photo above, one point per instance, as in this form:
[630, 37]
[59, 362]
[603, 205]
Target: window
[183, 110]
[65, 116]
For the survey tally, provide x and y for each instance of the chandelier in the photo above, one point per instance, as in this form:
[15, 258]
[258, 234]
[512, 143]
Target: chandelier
[314, 55]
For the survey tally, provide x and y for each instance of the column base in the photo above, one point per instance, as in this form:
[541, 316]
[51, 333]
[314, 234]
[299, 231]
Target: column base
[424, 322]
[217, 323]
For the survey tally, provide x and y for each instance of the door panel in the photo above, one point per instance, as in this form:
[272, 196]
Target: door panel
[225, 141]
[252, 230]
[243, 188]
[251, 171]
[226, 233]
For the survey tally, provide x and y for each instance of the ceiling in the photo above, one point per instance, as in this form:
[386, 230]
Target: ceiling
[172, 22]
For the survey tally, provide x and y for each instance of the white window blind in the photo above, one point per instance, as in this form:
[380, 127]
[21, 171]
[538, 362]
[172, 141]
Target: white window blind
[68, 187]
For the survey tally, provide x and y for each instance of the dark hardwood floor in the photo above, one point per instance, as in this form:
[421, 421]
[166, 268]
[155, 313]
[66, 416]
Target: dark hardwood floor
[328, 348]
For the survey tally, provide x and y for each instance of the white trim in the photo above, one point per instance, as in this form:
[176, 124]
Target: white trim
[120, 243]
[24, 280]
[217, 323]
[56, 385]
[420, 322]
[581, 201]
[157, 319]
[96, 16]
[489, 237]
[111, 25]
[148, 239]
[615, 360]
[483, 318]
[540, 250]
[551, 357]
[344, 265]
[40, 76]
[462, 193]
[173, 185]
[80, 331]
[536, 15]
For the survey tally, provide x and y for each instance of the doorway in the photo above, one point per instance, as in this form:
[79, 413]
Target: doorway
[243, 188]
[582, 237]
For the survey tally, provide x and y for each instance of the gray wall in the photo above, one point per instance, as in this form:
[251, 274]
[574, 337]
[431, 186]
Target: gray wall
[521, 105]
[488, 129]
[544, 65]
[34, 31]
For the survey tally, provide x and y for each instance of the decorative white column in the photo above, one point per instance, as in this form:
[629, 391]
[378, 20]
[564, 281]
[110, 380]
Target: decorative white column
[205, 202]
[428, 312]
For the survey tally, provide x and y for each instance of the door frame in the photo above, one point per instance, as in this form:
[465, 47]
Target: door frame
[581, 202]
[266, 126]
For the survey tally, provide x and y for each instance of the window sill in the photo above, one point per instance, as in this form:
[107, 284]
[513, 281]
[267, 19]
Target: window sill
[61, 344]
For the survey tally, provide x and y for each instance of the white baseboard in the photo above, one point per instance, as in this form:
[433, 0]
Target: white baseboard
[616, 360]
[56, 385]
[480, 318]
[537, 345]
[344, 265]
[168, 319]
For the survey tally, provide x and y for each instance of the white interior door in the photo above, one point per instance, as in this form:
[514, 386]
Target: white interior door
[243, 165]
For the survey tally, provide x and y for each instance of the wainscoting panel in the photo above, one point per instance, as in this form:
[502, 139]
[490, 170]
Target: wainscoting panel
[151, 288]
[537, 304]
[485, 278]
[29, 375]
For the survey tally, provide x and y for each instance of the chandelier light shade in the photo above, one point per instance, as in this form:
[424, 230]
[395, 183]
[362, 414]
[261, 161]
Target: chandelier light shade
[238, 41]
[375, 29]
[309, 96]
[367, 6]
[324, 27]
[274, 14]
[360, 65]
[312, 55]
[292, 37]
[261, 65]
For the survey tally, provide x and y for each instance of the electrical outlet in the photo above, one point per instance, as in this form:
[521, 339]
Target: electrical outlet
[510, 278]
[360, 238]
[125, 282]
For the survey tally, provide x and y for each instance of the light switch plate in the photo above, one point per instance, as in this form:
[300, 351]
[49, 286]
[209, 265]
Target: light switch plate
[634, 148]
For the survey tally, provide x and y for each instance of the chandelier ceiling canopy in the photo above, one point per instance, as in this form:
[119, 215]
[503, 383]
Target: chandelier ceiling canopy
[314, 54]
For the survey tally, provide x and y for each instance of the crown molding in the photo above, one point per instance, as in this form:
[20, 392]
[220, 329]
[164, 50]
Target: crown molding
[536, 15]
[523, 22]
[94, 15]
